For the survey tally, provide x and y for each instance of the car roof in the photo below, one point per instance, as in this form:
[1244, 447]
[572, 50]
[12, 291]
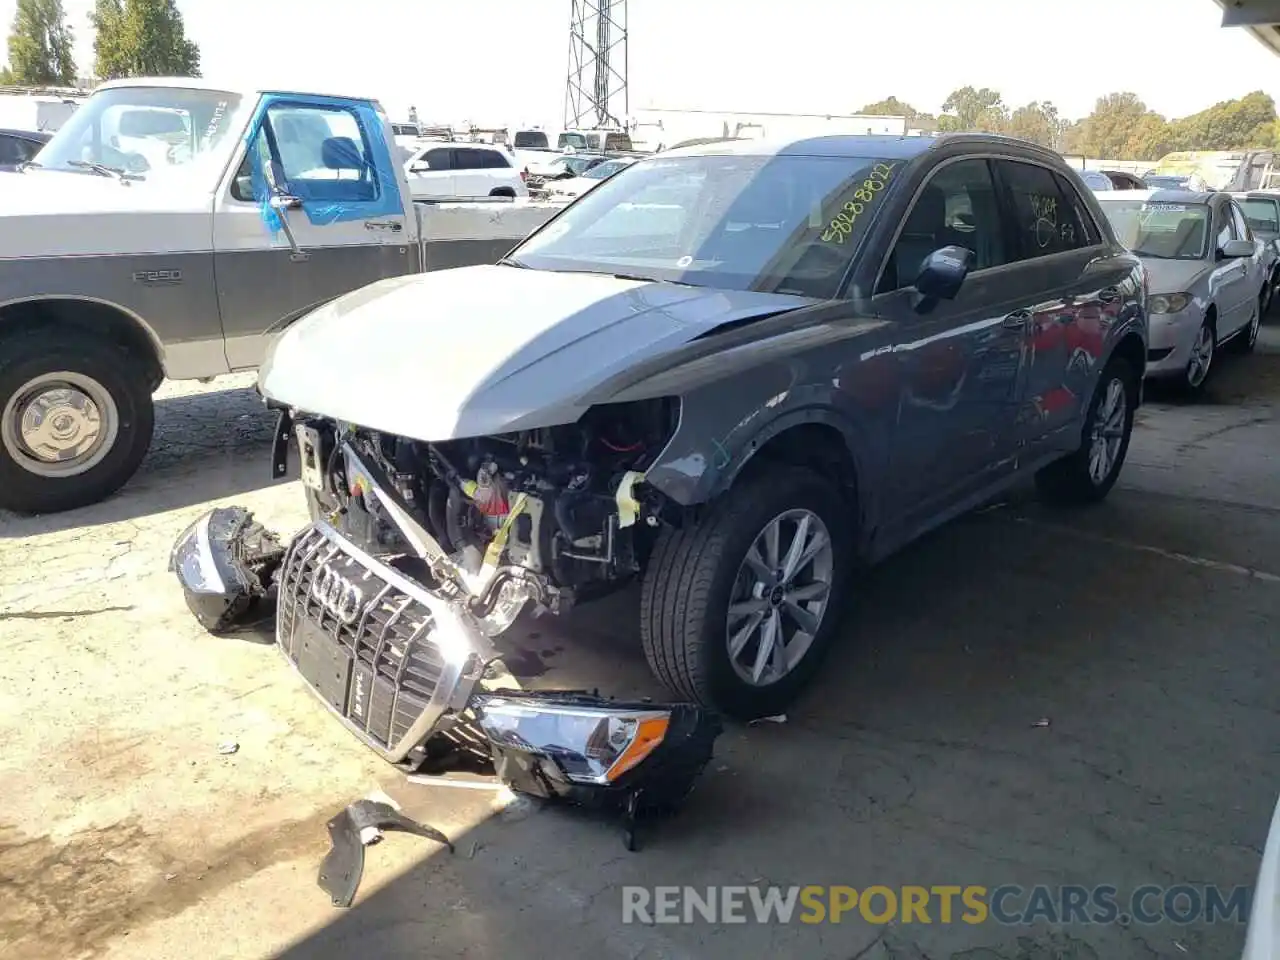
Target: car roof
[41, 136]
[1159, 196]
[879, 145]
[834, 145]
[1184, 196]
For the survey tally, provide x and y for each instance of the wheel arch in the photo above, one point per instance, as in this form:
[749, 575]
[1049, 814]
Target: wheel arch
[93, 316]
[818, 438]
[1133, 350]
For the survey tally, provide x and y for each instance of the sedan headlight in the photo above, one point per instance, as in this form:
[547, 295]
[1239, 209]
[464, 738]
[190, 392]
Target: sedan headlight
[1169, 302]
[590, 750]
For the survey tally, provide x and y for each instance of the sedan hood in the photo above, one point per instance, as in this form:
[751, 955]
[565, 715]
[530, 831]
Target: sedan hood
[490, 349]
[1173, 276]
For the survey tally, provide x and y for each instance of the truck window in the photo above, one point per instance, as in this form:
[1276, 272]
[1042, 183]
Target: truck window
[531, 140]
[322, 152]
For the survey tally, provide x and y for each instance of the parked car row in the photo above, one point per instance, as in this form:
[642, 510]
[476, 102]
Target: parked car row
[1211, 277]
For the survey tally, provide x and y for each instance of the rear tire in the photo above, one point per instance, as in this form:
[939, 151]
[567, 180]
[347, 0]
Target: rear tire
[1080, 478]
[698, 571]
[503, 192]
[75, 420]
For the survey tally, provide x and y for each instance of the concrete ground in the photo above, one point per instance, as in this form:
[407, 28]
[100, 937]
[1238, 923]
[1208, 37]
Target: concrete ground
[1025, 697]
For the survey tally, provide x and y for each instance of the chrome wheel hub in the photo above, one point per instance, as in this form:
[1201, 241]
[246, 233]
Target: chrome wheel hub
[1108, 431]
[779, 597]
[1201, 357]
[59, 424]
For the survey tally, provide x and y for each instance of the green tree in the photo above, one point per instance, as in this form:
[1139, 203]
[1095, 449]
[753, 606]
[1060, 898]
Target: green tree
[893, 107]
[1249, 121]
[142, 38]
[7, 79]
[969, 109]
[1038, 122]
[40, 45]
[109, 57]
[1121, 128]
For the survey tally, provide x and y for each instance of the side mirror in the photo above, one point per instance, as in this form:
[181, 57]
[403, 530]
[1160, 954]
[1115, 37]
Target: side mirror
[419, 168]
[1235, 249]
[943, 272]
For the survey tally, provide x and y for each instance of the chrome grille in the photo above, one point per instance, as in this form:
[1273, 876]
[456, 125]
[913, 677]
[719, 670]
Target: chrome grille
[376, 664]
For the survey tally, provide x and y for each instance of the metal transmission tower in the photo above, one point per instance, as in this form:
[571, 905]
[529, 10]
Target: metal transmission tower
[596, 91]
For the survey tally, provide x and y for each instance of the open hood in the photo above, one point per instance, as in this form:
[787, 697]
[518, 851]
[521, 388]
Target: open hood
[490, 349]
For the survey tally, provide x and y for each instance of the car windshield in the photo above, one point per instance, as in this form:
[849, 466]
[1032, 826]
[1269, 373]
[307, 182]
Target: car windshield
[147, 130]
[607, 169]
[531, 140]
[1096, 180]
[1165, 182]
[785, 224]
[1262, 215]
[1168, 231]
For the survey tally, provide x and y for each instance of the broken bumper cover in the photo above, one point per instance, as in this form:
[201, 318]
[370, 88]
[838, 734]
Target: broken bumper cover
[394, 662]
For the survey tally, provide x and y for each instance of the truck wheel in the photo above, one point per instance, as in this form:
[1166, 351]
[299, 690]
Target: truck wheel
[737, 610]
[75, 420]
[1088, 475]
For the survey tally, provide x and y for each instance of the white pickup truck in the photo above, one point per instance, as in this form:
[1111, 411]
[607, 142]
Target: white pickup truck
[121, 266]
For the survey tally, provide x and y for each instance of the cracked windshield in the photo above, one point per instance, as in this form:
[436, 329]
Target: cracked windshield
[698, 481]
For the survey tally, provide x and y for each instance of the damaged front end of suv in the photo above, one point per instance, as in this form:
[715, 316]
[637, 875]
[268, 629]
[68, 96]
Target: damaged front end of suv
[449, 492]
[419, 553]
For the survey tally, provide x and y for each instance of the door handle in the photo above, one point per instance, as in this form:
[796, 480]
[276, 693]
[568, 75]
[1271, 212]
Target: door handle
[1017, 320]
[1108, 294]
[393, 225]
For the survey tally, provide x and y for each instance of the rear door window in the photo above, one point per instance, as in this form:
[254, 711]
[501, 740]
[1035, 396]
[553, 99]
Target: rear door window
[1045, 221]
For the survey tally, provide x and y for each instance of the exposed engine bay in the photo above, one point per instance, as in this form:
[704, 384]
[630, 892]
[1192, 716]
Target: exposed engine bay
[553, 515]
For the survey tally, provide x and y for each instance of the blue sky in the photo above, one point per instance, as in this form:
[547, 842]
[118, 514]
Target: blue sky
[506, 60]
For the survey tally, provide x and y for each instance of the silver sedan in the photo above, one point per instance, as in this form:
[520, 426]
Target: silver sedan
[1206, 274]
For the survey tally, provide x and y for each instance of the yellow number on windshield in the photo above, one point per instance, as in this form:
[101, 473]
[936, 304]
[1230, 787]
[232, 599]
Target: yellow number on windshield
[841, 224]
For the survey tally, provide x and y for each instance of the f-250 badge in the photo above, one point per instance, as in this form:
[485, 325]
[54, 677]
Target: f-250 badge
[157, 276]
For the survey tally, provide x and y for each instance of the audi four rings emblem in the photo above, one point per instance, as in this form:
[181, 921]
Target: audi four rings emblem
[337, 594]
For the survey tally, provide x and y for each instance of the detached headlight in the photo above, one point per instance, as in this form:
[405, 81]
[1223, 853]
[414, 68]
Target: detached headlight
[192, 559]
[224, 562]
[589, 750]
[1169, 302]
[590, 745]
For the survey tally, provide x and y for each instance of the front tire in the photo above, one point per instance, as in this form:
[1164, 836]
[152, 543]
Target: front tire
[75, 420]
[737, 610]
[1201, 365]
[1088, 475]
